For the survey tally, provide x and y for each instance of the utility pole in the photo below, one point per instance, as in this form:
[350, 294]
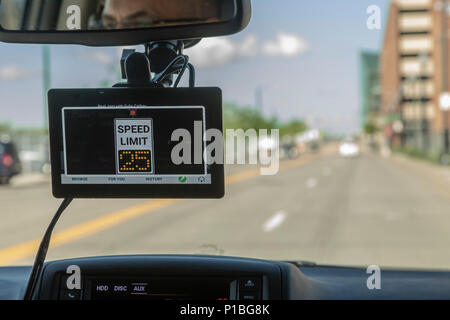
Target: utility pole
[46, 81]
[259, 98]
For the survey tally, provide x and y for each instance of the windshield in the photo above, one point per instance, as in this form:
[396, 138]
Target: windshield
[357, 92]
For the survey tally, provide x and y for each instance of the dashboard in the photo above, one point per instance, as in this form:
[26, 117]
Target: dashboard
[163, 277]
[186, 277]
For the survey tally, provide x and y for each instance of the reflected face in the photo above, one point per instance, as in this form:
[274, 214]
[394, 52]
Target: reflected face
[125, 14]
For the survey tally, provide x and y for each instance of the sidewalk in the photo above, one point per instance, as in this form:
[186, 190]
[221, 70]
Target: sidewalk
[435, 174]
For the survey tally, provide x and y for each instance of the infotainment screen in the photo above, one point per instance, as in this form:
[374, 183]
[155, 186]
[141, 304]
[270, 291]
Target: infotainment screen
[134, 143]
[162, 288]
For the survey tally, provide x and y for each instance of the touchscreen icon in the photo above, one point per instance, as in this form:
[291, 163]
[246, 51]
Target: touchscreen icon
[182, 179]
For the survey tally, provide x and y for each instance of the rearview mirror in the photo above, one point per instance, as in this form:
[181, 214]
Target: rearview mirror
[119, 22]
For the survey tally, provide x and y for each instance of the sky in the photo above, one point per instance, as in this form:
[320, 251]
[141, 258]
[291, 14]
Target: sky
[302, 54]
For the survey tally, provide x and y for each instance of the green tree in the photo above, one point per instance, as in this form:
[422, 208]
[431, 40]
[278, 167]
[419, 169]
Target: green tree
[245, 117]
[370, 128]
[238, 117]
[293, 127]
[5, 128]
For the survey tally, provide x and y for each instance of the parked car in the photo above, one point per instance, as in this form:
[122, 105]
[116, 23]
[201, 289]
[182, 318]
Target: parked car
[10, 165]
[289, 151]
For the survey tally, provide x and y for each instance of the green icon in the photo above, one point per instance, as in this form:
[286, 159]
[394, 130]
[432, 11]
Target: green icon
[182, 179]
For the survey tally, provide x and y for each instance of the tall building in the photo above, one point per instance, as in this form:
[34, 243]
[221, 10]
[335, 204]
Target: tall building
[370, 87]
[414, 72]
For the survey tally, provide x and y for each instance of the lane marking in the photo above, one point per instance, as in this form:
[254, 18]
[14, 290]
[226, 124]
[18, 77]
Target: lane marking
[298, 162]
[274, 222]
[311, 183]
[16, 253]
[241, 176]
[23, 250]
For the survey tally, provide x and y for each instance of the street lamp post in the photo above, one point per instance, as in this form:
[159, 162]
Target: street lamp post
[411, 83]
[446, 133]
[445, 73]
[424, 125]
[444, 102]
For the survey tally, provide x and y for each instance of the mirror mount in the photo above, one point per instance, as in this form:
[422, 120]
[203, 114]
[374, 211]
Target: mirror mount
[163, 58]
[136, 68]
[161, 53]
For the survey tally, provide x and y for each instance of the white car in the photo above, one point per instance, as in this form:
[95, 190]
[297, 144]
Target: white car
[349, 149]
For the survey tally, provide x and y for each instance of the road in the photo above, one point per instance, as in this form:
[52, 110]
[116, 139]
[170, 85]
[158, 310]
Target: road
[323, 208]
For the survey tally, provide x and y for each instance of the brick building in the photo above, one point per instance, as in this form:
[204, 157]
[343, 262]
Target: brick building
[412, 64]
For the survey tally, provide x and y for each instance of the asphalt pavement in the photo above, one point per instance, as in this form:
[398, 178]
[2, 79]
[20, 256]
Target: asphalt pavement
[319, 207]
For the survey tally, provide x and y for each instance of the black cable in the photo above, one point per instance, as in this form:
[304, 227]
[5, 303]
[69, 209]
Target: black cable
[175, 69]
[183, 69]
[165, 73]
[191, 75]
[43, 248]
[177, 65]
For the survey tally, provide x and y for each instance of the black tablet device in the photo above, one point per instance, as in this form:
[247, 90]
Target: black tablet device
[134, 143]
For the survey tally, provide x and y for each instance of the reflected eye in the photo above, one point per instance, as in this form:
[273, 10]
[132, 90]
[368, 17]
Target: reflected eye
[134, 21]
[109, 23]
